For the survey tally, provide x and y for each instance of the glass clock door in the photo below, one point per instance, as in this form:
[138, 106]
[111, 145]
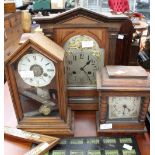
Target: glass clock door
[35, 77]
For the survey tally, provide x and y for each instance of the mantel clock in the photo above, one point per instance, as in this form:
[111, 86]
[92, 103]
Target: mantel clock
[90, 41]
[35, 74]
[123, 99]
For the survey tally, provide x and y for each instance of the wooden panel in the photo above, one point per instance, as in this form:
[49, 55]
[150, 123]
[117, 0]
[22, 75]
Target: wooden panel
[123, 46]
[13, 32]
[82, 93]
[126, 71]
[9, 7]
[144, 109]
[81, 20]
[7, 24]
[111, 46]
[122, 84]
[103, 109]
[84, 106]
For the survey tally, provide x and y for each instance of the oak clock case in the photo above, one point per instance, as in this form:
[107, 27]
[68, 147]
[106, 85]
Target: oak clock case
[35, 75]
[123, 99]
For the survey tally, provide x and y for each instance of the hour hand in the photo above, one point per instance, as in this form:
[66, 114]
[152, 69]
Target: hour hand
[87, 63]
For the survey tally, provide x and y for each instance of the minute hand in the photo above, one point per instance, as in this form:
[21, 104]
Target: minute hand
[82, 69]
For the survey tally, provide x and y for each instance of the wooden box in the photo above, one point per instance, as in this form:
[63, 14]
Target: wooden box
[9, 7]
[123, 99]
[12, 31]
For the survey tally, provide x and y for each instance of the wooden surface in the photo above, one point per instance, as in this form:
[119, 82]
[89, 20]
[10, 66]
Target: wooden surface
[121, 84]
[85, 125]
[13, 31]
[126, 71]
[9, 7]
[44, 142]
[123, 46]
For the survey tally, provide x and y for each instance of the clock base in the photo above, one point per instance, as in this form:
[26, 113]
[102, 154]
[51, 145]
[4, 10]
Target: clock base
[54, 127]
[121, 127]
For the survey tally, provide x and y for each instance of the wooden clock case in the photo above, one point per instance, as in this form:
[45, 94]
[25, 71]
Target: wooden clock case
[104, 29]
[60, 125]
[126, 85]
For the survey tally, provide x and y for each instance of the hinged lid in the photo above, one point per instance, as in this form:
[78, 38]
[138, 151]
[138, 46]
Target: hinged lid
[127, 78]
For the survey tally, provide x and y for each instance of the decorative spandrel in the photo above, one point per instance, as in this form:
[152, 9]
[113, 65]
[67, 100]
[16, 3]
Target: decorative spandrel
[36, 82]
[83, 58]
[124, 107]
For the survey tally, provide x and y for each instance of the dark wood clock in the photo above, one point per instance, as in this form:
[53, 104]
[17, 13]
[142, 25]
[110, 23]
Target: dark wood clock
[123, 99]
[36, 78]
[90, 41]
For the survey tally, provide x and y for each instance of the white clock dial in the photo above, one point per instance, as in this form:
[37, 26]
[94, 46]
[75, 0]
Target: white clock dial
[36, 70]
[124, 107]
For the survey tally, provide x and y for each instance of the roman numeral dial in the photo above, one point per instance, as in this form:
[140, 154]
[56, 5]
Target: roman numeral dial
[83, 59]
[36, 70]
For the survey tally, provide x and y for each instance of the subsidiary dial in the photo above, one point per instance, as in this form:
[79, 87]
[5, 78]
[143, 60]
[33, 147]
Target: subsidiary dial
[36, 70]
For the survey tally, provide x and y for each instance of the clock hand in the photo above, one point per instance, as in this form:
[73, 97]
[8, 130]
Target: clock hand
[82, 69]
[87, 63]
[124, 106]
[128, 109]
[124, 111]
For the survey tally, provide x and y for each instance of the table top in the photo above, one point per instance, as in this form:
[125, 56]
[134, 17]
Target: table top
[84, 125]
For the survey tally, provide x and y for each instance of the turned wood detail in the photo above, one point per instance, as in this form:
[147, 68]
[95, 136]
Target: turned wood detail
[144, 109]
[103, 108]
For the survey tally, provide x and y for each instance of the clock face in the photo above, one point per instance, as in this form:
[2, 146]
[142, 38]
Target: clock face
[83, 59]
[36, 70]
[124, 107]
